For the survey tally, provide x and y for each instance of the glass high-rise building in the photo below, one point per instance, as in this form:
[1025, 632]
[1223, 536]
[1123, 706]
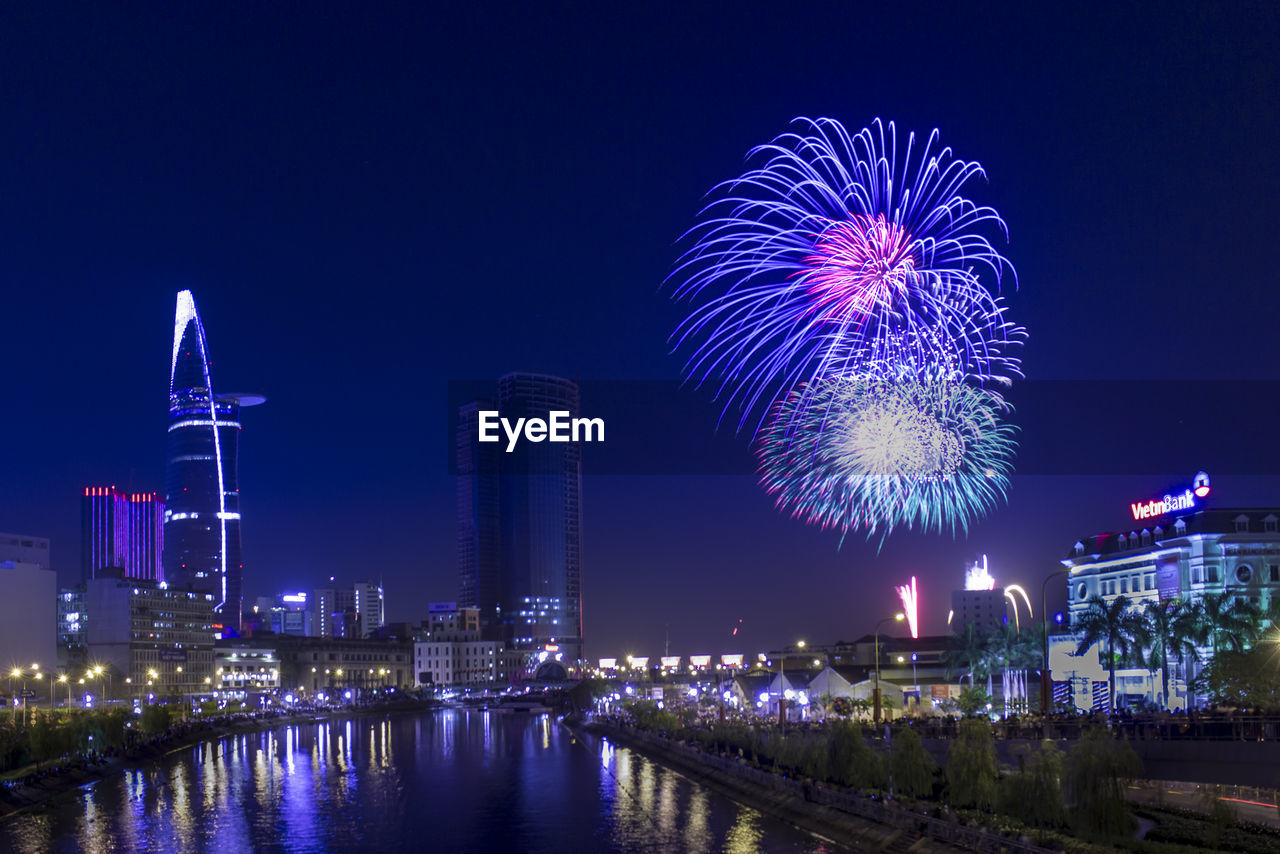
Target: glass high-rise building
[123, 530]
[520, 521]
[202, 493]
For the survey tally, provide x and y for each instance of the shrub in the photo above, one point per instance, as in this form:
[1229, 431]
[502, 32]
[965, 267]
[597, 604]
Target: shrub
[1094, 776]
[910, 765]
[971, 766]
[853, 762]
[1034, 794]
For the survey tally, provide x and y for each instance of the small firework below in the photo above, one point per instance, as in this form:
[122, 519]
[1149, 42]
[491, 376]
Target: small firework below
[872, 453]
[910, 605]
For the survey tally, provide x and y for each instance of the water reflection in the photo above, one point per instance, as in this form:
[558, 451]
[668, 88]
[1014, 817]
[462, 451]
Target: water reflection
[448, 781]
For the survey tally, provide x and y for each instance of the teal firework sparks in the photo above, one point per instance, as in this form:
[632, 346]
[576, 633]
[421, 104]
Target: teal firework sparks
[914, 449]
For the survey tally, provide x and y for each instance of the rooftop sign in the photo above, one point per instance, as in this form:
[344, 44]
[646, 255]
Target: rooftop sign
[1173, 502]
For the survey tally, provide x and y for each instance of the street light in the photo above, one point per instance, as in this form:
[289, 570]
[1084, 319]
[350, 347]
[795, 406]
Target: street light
[782, 671]
[895, 618]
[1044, 618]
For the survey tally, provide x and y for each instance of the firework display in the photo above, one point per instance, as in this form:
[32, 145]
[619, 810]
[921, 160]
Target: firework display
[839, 305]
[841, 254]
[873, 452]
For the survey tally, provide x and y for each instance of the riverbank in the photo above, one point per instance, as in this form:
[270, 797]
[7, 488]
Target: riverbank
[855, 822]
[60, 778]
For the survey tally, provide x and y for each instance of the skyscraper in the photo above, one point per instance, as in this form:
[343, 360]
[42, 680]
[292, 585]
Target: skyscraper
[202, 495]
[519, 522]
[121, 529]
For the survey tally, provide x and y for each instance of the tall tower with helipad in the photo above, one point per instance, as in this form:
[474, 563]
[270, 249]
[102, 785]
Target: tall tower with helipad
[202, 491]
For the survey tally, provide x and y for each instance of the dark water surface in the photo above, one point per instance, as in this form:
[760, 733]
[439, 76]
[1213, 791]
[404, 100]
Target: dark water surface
[446, 781]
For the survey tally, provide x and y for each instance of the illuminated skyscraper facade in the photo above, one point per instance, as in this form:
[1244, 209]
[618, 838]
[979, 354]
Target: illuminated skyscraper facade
[202, 494]
[123, 530]
[520, 520]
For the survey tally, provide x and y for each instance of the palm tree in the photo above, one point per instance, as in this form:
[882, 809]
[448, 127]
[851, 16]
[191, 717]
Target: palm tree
[1226, 617]
[1265, 620]
[1189, 635]
[1113, 623]
[1158, 634]
[970, 650]
[1013, 652]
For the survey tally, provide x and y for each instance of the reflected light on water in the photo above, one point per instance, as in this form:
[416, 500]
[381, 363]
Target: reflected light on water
[475, 781]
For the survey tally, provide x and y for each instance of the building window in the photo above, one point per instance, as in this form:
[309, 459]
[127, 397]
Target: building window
[1274, 572]
[1269, 524]
[1124, 585]
[1195, 575]
[1242, 524]
[1083, 590]
[1244, 573]
[1213, 574]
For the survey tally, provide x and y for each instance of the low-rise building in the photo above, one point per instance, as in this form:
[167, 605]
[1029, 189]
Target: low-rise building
[150, 634]
[461, 662]
[249, 666]
[336, 664]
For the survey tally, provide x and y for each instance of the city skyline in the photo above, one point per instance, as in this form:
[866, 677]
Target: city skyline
[1130, 172]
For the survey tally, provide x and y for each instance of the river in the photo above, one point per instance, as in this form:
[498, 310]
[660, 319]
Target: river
[449, 781]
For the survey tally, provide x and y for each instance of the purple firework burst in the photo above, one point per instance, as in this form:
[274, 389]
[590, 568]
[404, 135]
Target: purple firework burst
[840, 255]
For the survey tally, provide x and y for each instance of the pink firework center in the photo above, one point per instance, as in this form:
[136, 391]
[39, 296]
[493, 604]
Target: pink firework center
[860, 266]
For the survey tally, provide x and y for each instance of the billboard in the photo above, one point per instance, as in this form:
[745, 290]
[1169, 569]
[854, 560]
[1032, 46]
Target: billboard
[441, 607]
[1168, 579]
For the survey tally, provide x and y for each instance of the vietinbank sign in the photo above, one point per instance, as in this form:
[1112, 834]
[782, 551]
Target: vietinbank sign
[1173, 502]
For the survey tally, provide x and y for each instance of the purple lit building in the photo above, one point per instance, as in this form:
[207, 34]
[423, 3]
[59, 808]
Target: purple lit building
[123, 530]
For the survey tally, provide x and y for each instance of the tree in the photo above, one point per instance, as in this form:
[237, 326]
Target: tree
[1264, 621]
[1111, 623]
[969, 650]
[853, 762]
[1158, 633]
[973, 700]
[1189, 634]
[1034, 793]
[1226, 619]
[1244, 679]
[45, 739]
[1095, 774]
[154, 720]
[910, 765]
[1015, 652]
[971, 766]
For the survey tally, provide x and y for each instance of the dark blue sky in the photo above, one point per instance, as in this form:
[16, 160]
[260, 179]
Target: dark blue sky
[370, 202]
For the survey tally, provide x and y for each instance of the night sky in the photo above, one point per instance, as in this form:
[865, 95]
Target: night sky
[372, 202]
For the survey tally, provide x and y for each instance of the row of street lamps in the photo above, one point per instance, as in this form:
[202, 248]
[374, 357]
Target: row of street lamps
[37, 675]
